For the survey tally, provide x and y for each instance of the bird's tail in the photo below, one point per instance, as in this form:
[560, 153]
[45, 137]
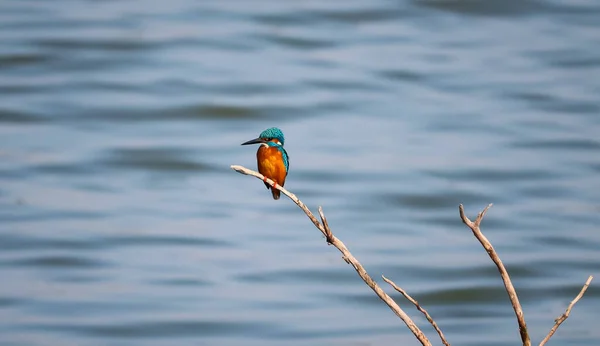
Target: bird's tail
[275, 193]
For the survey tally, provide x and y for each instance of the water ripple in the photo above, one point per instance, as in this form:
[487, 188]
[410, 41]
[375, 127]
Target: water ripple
[59, 262]
[161, 329]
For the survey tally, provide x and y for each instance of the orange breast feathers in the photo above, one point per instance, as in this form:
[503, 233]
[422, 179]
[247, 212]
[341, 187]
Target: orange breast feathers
[270, 164]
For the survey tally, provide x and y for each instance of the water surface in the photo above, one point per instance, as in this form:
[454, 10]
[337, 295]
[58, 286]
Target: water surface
[122, 224]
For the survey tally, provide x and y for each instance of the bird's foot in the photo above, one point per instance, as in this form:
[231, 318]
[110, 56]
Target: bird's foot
[272, 185]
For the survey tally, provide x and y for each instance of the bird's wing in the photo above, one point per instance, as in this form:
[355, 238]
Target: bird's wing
[286, 158]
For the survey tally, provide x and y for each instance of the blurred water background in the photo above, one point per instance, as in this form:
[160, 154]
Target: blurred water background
[121, 222]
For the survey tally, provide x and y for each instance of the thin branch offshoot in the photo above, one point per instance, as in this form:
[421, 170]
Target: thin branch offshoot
[418, 306]
[565, 315]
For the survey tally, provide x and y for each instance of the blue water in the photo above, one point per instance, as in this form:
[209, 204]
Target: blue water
[121, 222]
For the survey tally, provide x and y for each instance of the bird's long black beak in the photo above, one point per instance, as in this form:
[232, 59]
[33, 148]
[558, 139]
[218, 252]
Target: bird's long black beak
[254, 141]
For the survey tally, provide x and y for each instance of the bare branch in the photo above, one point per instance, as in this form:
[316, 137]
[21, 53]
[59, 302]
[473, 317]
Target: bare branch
[418, 306]
[564, 316]
[323, 226]
[347, 256]
[510, 289]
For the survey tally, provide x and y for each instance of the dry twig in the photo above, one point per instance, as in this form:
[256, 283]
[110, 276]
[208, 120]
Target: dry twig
[510, 289]
[564, 316]
[347, 256]
[328, 235]
[418, 306]
[323, 226]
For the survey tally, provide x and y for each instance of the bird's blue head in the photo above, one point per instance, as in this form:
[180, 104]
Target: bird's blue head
[273, 135]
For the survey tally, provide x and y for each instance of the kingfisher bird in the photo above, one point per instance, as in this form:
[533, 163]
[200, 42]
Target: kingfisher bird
[273, 161]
